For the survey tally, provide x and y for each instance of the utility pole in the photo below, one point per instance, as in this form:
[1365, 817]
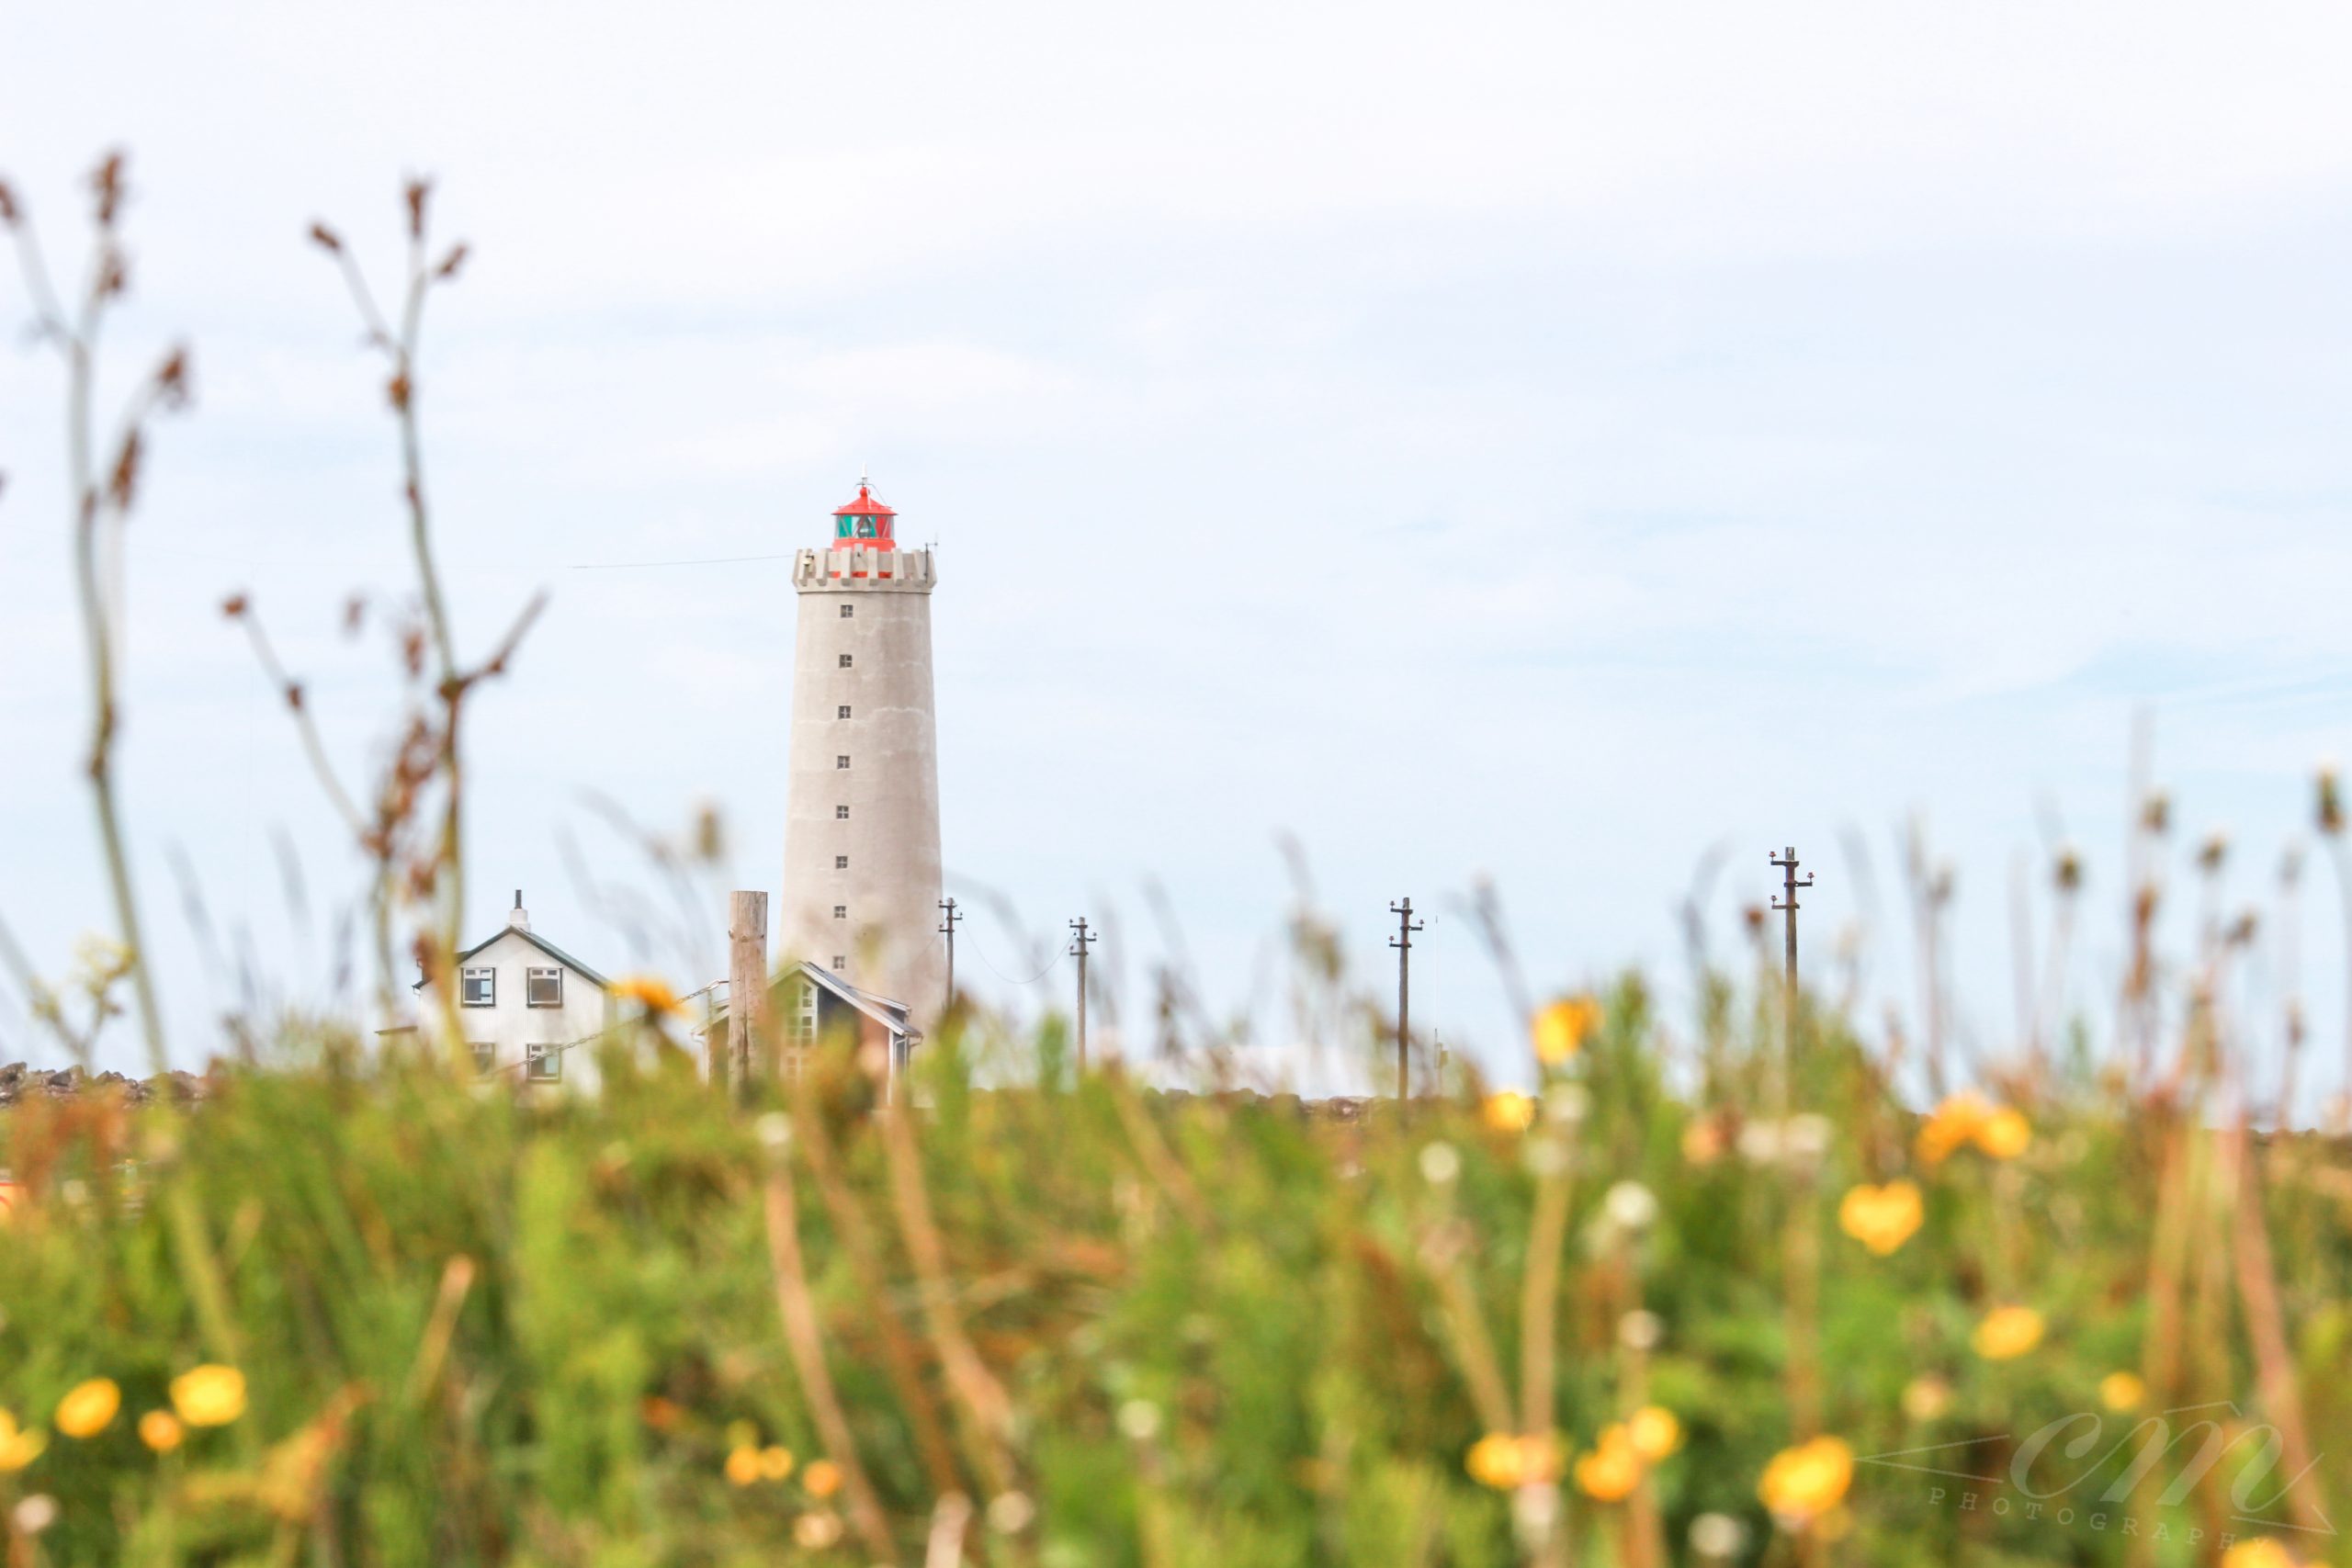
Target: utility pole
[1078, 944]
[1403, 942]
[1787, 903]
[747, 987]
[947, 929]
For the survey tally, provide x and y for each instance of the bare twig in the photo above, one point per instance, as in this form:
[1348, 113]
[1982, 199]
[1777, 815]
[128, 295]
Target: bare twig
[804, 1337]
[99, 506]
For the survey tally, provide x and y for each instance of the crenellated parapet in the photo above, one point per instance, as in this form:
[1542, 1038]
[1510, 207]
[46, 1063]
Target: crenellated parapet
[861, 567]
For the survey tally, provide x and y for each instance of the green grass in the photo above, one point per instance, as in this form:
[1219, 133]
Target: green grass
[484, 1331]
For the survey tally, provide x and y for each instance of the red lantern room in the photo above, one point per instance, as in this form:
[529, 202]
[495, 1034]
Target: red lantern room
[864, 523]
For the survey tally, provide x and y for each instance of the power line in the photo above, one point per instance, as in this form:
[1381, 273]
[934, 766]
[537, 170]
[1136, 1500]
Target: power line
[640, 565]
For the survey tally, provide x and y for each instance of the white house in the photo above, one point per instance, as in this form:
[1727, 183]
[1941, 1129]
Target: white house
[529, 1008]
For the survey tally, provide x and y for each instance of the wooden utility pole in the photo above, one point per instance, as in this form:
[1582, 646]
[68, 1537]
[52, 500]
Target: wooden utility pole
[1403, 942]
[747, 984]
[1788, 903]
[1078, 944]
[947, 929]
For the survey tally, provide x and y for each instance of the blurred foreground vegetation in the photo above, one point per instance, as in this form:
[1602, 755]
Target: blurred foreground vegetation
[1074, 1323]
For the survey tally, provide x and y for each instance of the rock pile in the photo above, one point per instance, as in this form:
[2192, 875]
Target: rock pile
[19, 1082]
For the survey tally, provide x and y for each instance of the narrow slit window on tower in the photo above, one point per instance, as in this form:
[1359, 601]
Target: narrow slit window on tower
[842, 761]
[848, 611]
[841, 813]
[843, 712]
[841, 911]
[845, 661]
[840, 962]
[841, 862]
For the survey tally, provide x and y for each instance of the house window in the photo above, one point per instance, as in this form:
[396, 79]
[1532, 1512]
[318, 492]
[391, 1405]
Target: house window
[845, 661]
[841, 862]
[843, 712]
[804, 1015]
[477, 988]
[543, 988]
[841, 911]
[841, 813]
[485, 1055]
[544, 1063]
[847, 611]
[842, 761]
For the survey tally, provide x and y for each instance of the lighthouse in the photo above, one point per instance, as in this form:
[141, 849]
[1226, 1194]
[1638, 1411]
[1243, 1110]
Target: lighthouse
[861, 840]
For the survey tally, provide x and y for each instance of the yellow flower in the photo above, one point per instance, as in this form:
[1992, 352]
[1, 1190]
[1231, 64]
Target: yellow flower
[1493, 1461]
[89, 1408]
[2121, 1390]
[655, 995]
[776, 1463]
[1804, 1482]
[2005, 1134]
[1952, 1124]
[18, 1449]
[1654, 1432]
[1612, 1469]
[1881, 1218]
[160, 1430]
[742, 1465]
[210, 1395]
[823, 1478]
[2260, 1553]
[2007, 1333]
[1510, 1112]
[1999, 1131]
[1506, 1460]
[1561, 1029]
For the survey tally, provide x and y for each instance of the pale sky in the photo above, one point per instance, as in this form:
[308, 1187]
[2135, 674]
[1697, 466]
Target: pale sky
[1531, 441]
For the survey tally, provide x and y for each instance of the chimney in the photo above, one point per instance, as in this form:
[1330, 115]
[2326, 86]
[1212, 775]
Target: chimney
[518, 917]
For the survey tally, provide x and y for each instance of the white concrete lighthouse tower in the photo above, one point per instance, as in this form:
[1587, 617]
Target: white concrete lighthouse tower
[861, 839]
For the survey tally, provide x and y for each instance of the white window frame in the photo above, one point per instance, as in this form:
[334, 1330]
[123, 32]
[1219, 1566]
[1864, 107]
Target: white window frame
[485, 972]
[543, 1063]
[485, 1054]
[531, 978]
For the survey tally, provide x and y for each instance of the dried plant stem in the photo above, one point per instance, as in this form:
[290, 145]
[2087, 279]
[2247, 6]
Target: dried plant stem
[98, 512]
[806, 1340]
[2282, 1400]
[1474, 1348]
[2339, 855]
[979, 1399]
[1539, 1295]
[856, 1237]
[1151, 1149]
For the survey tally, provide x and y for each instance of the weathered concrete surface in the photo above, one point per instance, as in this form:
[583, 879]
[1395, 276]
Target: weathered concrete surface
[887, 936]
